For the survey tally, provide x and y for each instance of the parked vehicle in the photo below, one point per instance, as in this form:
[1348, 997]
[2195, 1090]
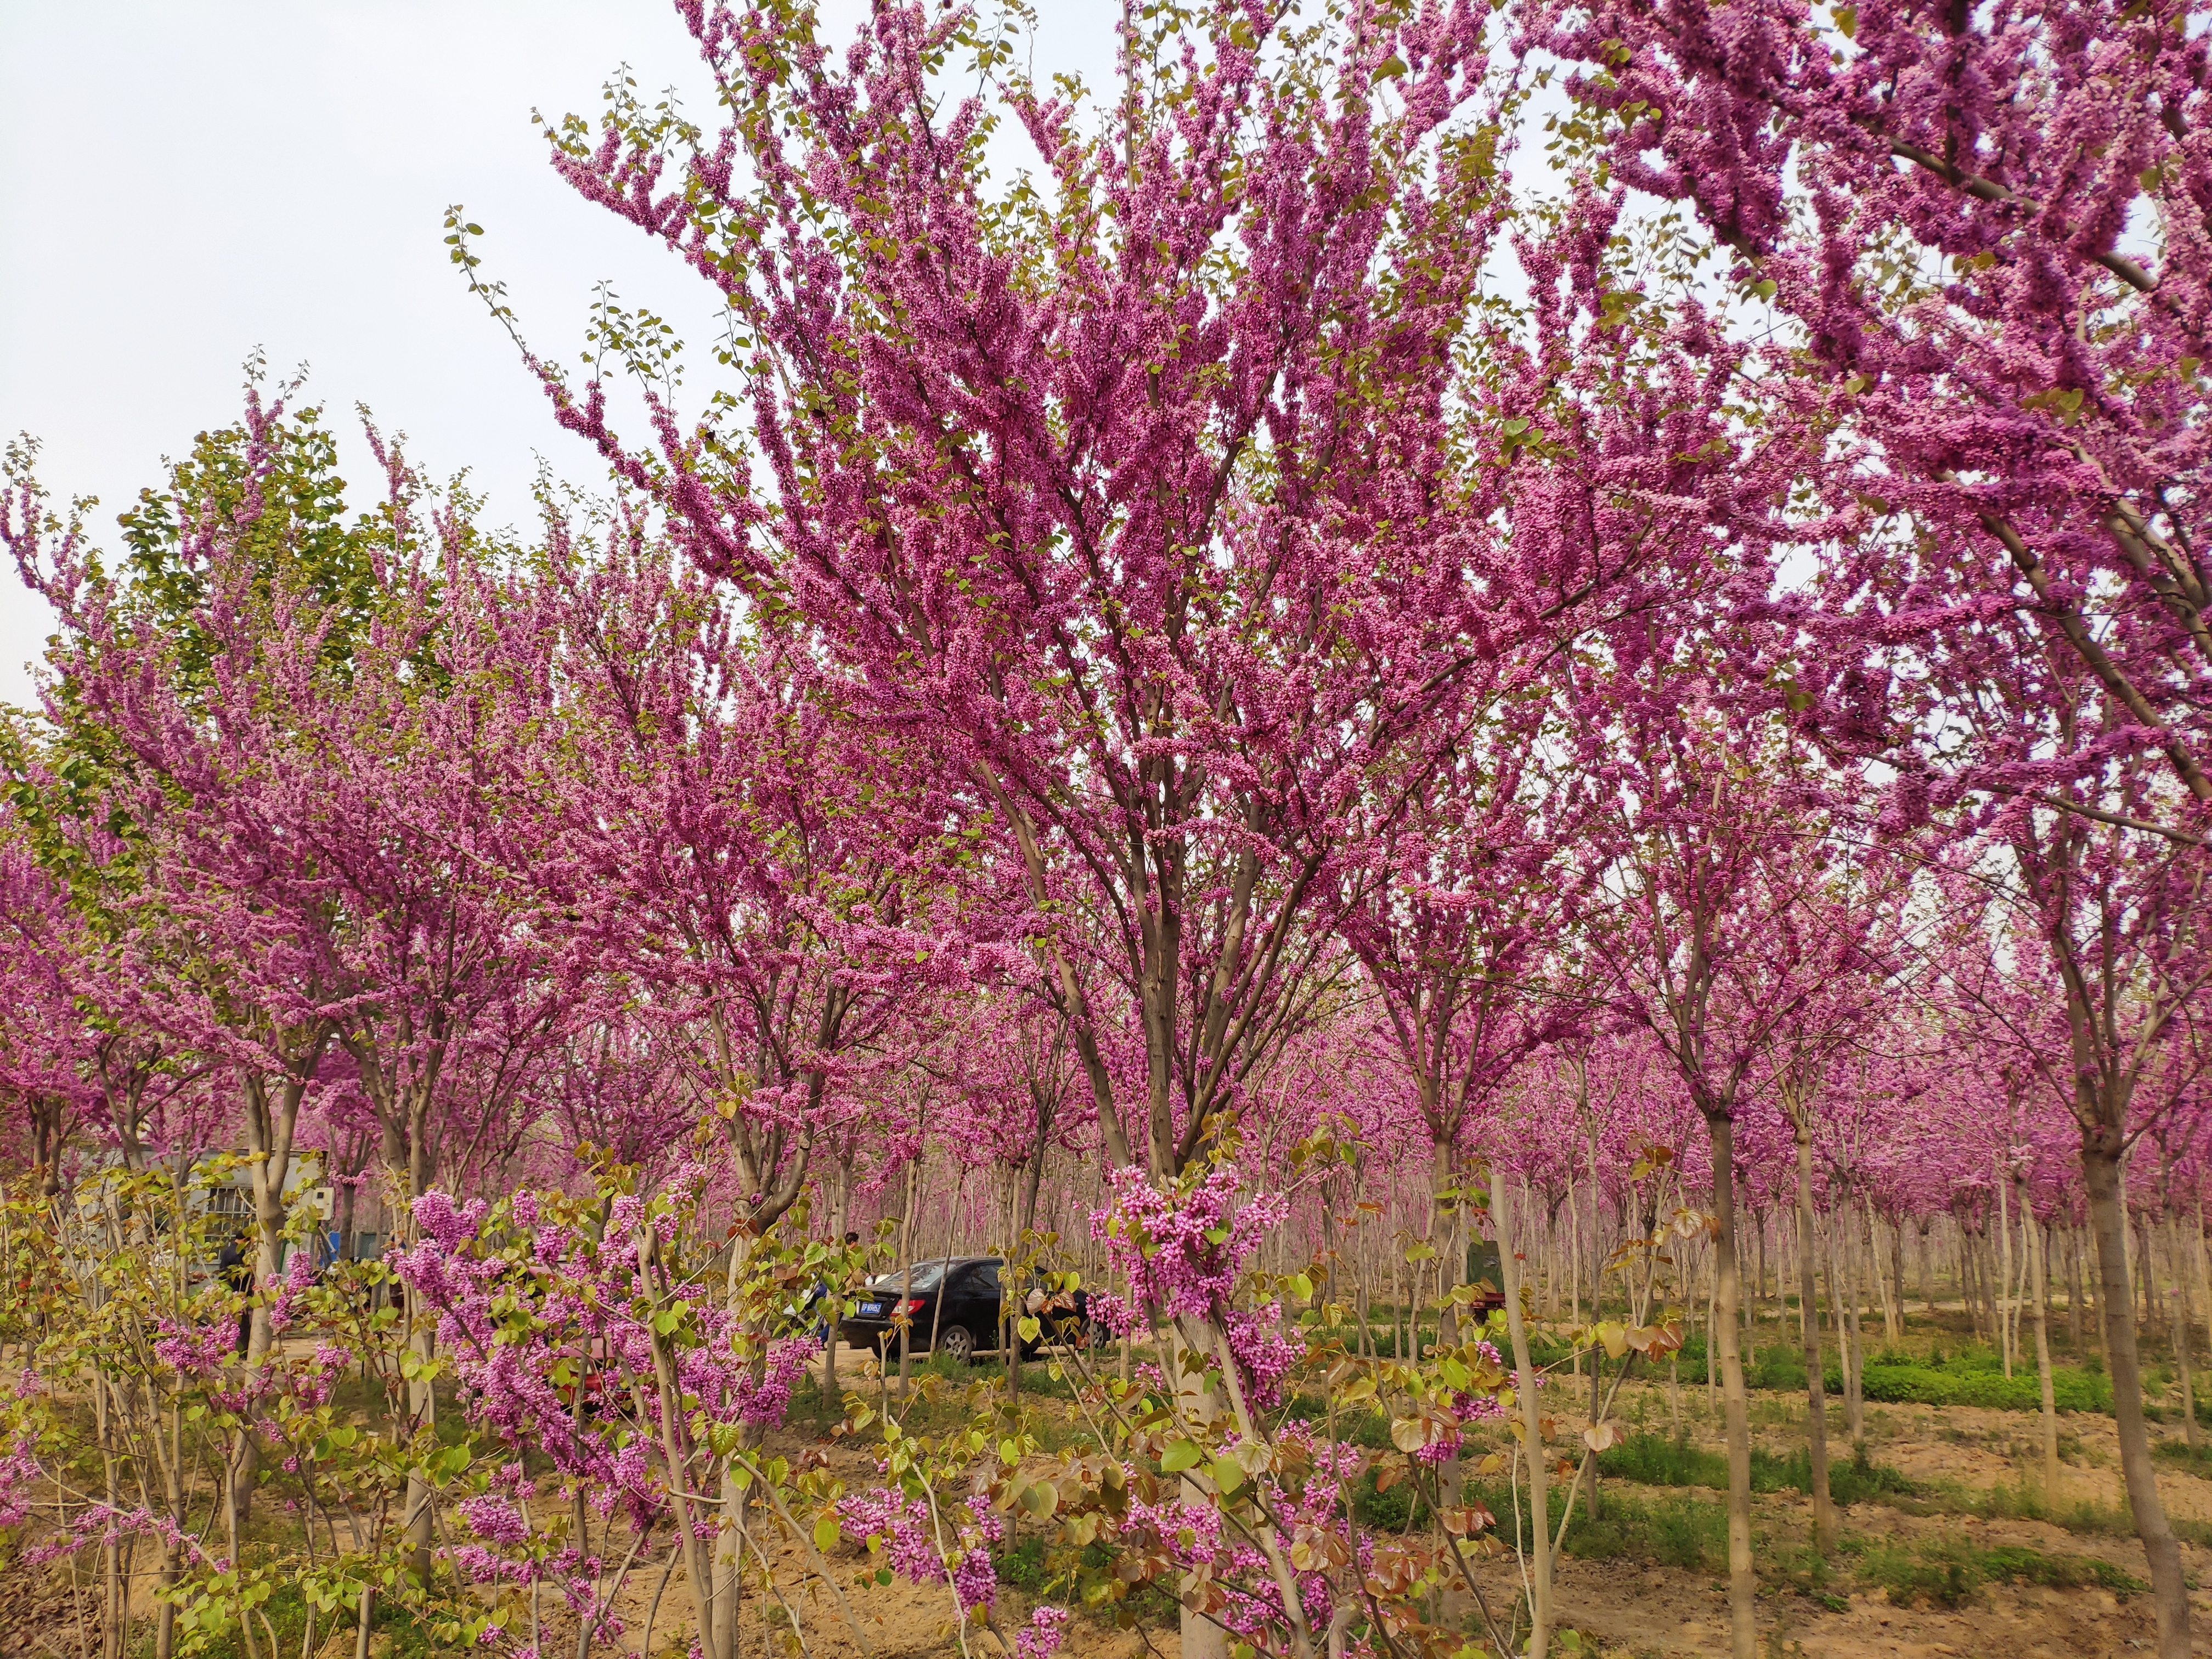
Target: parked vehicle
[958, 1302]
[1485, 1273]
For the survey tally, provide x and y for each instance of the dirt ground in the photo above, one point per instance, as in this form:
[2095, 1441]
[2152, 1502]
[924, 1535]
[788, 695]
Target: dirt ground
[1659, 1613]
[1623, 1606]
[1654, 1612]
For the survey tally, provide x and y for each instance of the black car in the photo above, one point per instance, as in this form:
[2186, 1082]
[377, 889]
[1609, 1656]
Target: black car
[957, 1303]
[1485, 1274]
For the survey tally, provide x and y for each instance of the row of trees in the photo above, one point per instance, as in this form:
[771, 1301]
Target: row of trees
[1263, 623]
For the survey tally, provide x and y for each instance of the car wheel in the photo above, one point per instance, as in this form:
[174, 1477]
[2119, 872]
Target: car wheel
[957, 1344]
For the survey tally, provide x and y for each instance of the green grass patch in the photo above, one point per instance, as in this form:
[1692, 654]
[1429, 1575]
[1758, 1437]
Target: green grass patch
[1948, 1571]
[1675, 1529]
[1654, 1460]
[2197, 1460]
[1973, 1376]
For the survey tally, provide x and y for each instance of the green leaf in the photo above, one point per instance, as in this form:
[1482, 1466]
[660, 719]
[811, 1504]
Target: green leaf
[1301, 1287]
[825, 1533]
[1041, 1498]
[1390, 68]
[1226, 1474]
[1180, 1456]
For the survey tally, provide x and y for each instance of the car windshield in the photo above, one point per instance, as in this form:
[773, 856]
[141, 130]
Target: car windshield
[925, 1275]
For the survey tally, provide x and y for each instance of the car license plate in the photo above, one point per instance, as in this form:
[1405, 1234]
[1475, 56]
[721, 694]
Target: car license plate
[870, 1309]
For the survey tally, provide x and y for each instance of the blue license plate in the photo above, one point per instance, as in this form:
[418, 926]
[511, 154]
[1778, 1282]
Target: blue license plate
[871, 1309]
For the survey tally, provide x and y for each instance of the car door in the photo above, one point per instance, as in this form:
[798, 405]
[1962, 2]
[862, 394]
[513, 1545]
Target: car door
[977, 1307]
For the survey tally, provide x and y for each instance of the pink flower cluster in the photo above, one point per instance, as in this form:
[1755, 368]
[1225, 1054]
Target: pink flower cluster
[904, 1528]
[1466, 1406]
[195, 1350]
[299, 1277]
[493, 1519]
[576, 1305]
[1192, 1536]
[103, 1524]
[1047, 1630]
[1182, 1253]
[18, 1475]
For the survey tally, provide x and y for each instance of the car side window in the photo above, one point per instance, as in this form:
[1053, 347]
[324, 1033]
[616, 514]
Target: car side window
[983, 1279]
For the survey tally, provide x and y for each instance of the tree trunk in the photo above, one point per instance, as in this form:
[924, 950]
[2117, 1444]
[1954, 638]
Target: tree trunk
[2108, 1220]
[2201, 1279]
[2074, 1298]
[1743, 1585]
[1992, 1291]
[1759, 1266]
[1525, 1380]
[1201, 1637]
[1816, 1392]
[2184, 1328]
[1893, 1301]
[905, 1278]
[833, 1290]
[2005, 1279]
[1854, 1351]
[1970, 1297]
[1712, 1340]
[2042, 1353]
[272, 1117]
[1447, 1209]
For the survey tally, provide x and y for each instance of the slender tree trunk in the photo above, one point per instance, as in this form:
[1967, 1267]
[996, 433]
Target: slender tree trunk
[1895, 1330]
[1816, 1392]
[1448, 1210]
[833, 1291]
[1854, 1350]
[2201, 1278]
[2184, 1328]
[1992, 1287]
[1712, 1340]
[1524, 1377]
[1759, 1265]
[2004, 1278]
[1968, 1294]
[2042, 1354]
[1743, 1585]
[905, 1278]
[2074, 1298]
[2109, 1222]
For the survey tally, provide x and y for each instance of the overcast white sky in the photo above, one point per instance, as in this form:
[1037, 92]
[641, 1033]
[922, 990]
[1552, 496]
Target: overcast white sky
[182, 183]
